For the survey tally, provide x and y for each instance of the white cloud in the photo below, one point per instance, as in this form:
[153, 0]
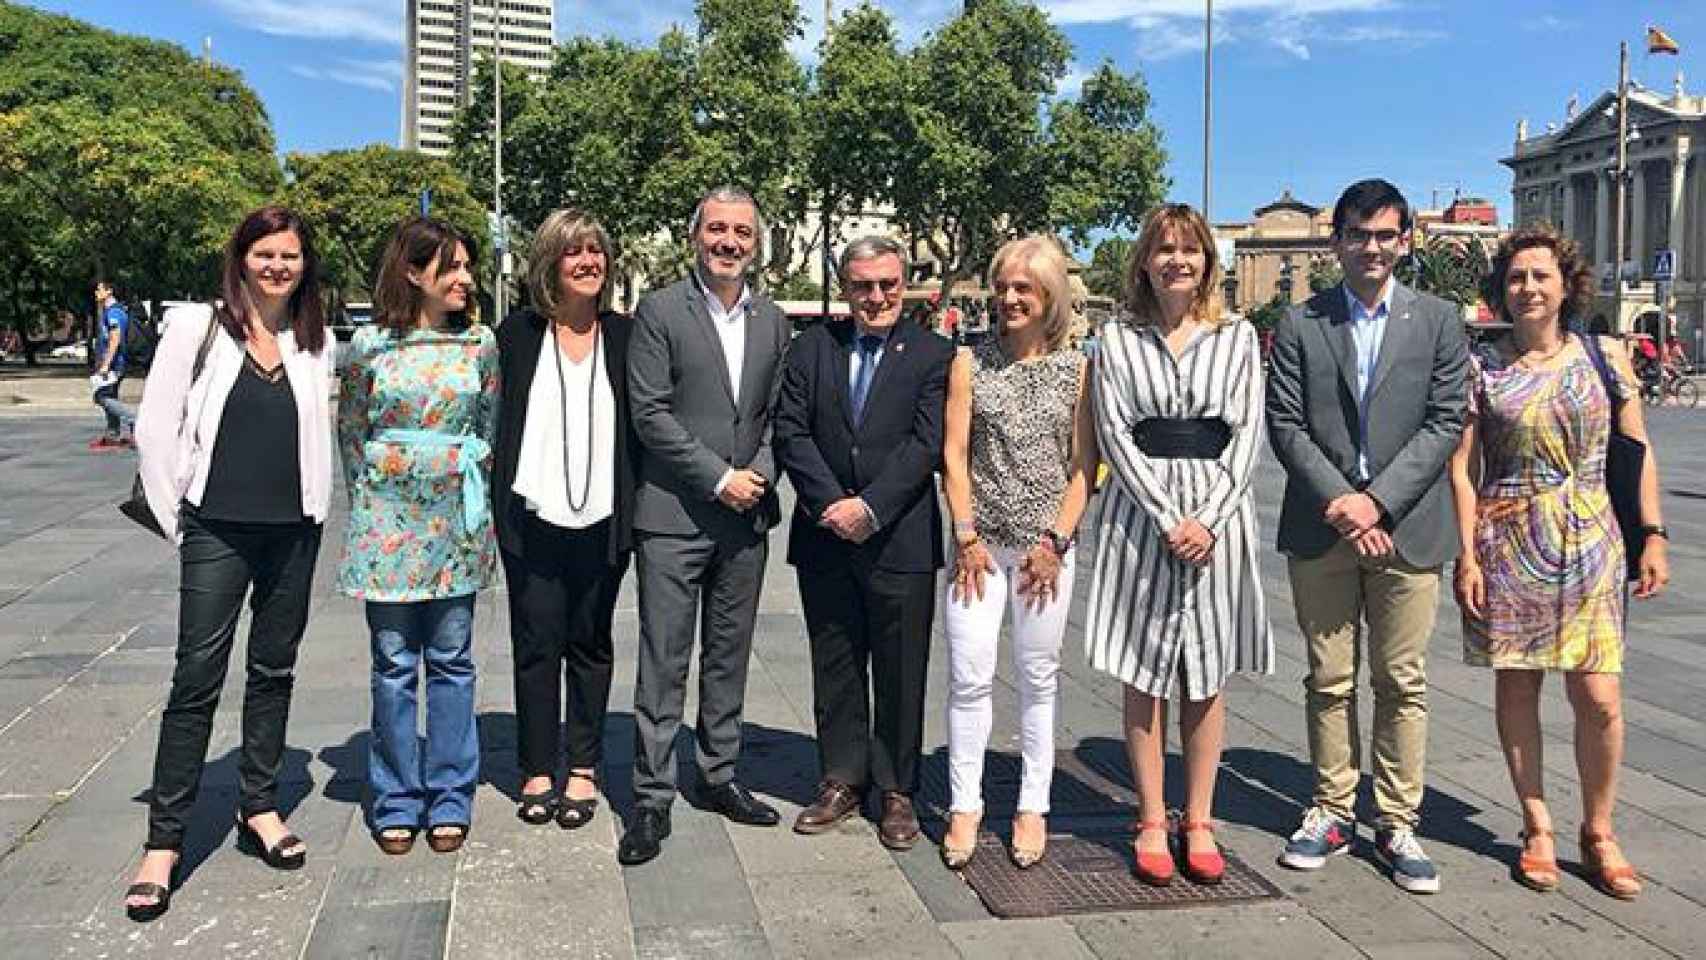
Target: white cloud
[1170, 28]
[378, 22]
[381, 75]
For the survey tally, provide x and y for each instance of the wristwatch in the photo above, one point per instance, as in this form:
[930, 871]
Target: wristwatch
[1655, 530]
[1058, 542]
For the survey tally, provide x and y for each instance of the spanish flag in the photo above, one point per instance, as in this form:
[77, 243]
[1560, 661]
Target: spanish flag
[1659, 41]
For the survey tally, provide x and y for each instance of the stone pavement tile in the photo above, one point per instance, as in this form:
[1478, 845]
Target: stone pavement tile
[526, 892]
[368, 876]
[1232, 932]
[232, 907]
[1049, 938]
[33, 619]
[18, 815]
[712, 942]
[1425, 950]
[945, 894]
[851, 847]
[696, 883]
[379, 931]
[847, 915]
[64, 870]
[19, 696]
[63, 737]
[127, 667]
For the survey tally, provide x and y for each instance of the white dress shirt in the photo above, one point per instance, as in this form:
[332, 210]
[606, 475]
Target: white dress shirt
[730, 324]
[1368, 329]
[542, 479]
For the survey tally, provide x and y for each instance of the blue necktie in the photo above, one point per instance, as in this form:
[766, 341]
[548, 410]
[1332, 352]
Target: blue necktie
[868, 349]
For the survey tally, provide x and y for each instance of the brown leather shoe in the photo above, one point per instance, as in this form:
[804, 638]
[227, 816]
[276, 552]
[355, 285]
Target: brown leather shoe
[898, 830]
[835, 802]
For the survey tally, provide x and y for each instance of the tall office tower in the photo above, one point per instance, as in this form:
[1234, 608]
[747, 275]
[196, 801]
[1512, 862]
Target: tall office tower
[446, 39]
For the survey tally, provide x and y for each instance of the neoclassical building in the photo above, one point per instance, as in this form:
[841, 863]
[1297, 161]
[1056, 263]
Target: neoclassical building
[1565, 176]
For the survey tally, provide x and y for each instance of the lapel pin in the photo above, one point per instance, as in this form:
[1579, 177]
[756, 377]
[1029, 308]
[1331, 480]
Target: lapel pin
[899, 347]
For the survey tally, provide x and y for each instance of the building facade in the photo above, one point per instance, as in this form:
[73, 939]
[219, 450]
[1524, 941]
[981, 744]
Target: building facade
[1273, 254]
[445, 40]
[1566, 176]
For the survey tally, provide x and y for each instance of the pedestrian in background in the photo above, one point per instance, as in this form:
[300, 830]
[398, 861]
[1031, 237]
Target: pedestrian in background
[111, 360]
[1542, 575]
[236, 463]
[417, 415]
[703, 370]
[1365, 405]
[1018, 454]
[859, 433]
[1176, 594]
[563, 502]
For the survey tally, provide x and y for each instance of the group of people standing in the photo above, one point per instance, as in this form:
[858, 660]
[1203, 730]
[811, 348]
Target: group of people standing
[573, 440]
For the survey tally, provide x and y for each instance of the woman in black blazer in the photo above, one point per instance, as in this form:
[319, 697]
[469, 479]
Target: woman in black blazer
[562, 497]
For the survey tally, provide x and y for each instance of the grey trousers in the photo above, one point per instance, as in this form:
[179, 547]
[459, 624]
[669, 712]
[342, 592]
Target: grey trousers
[683, 580]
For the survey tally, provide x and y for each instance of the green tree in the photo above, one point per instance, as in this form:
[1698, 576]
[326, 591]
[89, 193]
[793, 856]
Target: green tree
[1447, 267]
[1104, 156]
[354, 198]
[1268, 315]
[1324, 274]
[1105, 276]
[119, 156]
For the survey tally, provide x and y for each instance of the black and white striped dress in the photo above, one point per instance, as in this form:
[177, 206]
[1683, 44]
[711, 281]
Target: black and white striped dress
[1152, 616]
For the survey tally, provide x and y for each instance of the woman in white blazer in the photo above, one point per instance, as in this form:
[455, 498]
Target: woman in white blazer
[236, 460]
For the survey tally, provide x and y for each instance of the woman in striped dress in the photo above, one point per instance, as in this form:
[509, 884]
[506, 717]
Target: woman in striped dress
[1176, 595]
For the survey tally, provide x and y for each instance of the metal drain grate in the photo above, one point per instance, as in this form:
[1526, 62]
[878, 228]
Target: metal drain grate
[1092, 873]
[1069, 794]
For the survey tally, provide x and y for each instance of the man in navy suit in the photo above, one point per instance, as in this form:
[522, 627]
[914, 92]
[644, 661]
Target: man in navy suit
[858, 430]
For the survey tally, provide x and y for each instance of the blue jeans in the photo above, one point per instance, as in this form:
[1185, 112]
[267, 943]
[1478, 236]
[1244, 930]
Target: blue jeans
[121, 419]
[409, 788]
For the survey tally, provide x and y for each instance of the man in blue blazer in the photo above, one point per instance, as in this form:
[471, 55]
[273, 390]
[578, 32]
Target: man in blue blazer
[859, 434]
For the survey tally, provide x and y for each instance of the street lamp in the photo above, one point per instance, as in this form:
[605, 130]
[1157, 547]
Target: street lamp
[500, 236]
[1620, 176]
[1285, 279]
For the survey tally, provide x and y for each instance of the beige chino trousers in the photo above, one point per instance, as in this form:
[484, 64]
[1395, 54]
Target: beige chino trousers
[1348, 605]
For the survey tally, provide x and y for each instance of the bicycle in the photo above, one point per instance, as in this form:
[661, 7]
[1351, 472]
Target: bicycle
[1670, 384]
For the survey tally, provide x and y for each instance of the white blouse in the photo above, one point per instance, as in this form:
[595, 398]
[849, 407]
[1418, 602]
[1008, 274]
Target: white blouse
[542, 479]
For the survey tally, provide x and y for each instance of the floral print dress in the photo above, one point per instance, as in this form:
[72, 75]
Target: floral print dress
[417, 416]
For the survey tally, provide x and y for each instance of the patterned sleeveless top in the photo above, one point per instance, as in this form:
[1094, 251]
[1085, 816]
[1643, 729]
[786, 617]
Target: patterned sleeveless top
[1021, 441]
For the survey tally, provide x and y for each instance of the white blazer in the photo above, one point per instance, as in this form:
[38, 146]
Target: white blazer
[178, 422]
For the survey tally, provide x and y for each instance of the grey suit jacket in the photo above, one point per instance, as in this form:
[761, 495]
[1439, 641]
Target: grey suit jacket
[691, 428]
[1416, 406]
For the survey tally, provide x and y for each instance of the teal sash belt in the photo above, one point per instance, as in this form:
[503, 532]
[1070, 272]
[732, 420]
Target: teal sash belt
[474, 450]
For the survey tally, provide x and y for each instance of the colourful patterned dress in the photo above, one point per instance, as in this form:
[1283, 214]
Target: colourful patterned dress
[417, 416]
[1545, 534]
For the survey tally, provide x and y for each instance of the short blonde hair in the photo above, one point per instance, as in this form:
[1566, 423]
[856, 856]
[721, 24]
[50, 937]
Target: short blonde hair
[1141, 300]
[1045, 258]
[561, 230]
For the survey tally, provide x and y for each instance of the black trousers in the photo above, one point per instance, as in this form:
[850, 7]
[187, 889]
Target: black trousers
[222, 562]
[562, 595]
[870, 644]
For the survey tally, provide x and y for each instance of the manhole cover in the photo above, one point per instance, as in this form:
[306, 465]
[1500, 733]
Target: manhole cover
[1092, 873]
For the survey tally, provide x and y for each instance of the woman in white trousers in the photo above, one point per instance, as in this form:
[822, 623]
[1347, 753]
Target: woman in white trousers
[1018, 454]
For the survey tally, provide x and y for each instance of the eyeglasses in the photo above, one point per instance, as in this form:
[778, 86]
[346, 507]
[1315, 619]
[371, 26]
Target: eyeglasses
[862, 287]
[1358, 237]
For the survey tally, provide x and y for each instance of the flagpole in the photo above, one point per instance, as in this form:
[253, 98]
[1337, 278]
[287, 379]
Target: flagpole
[1207, 109]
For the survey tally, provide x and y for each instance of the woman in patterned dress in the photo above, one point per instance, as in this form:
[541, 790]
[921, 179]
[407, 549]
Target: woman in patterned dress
[417, 415]
[1018, 454]
[1176, 594]
[1542, 575]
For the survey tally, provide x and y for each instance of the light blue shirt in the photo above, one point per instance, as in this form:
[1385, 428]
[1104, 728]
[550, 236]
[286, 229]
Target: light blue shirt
[853, 354]
[1368, 329]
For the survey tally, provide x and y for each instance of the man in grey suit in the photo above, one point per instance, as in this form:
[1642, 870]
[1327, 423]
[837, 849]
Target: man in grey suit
[703, 368]
[1366, 402]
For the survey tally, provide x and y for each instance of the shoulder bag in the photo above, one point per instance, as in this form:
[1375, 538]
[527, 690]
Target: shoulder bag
[136, 505]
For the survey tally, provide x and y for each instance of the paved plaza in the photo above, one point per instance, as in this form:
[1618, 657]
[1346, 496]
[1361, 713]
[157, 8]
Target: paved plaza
[87, 628]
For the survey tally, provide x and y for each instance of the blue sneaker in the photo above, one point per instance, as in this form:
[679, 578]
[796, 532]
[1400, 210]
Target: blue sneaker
[1322, 835]
[1411, 869]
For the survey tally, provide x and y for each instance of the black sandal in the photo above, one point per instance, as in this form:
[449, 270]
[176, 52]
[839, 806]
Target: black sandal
[274, 856]
[400, 842]
[446, 842]
[538, 808]
[149, 912]
[572, 813]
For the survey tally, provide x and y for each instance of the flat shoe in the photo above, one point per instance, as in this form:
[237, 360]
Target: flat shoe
[396, 846]
[446, 842]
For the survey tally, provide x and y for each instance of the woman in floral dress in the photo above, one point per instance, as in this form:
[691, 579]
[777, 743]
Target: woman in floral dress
[416, 419]
[1542, 574]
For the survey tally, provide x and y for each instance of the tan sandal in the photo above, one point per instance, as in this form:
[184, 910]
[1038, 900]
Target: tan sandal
[956, 858]
[1536, 873]
[1027, 857]
[1621, 882]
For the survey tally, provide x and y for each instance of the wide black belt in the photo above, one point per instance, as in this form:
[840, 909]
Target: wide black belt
[1171, 438]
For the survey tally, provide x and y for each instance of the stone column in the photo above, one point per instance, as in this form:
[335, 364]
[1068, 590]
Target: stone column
[1567, 224]
[1678, 210]
[1638, 220]
[1603, 229]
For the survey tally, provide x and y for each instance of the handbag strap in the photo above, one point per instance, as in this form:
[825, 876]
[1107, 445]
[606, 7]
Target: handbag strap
[1590, 343]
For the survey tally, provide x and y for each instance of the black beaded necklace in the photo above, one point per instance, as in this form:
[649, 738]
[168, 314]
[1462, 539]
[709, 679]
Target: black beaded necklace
[563, 398]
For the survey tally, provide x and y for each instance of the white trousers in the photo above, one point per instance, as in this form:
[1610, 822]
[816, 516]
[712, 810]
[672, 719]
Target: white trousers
[973, 628]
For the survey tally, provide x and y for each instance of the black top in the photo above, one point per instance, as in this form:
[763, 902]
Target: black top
[520, 338]
[255, 476]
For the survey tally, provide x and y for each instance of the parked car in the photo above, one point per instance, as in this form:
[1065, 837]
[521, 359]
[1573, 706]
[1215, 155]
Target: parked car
[353, 315]
[70, 351]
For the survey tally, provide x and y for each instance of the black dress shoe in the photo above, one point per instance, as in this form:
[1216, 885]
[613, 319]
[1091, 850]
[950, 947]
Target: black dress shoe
[644, 839]
[738, 804]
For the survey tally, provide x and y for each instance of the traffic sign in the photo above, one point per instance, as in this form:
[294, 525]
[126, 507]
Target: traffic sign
[1664, 265]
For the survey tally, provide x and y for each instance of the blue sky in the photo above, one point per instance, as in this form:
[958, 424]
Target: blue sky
[1309, 94]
